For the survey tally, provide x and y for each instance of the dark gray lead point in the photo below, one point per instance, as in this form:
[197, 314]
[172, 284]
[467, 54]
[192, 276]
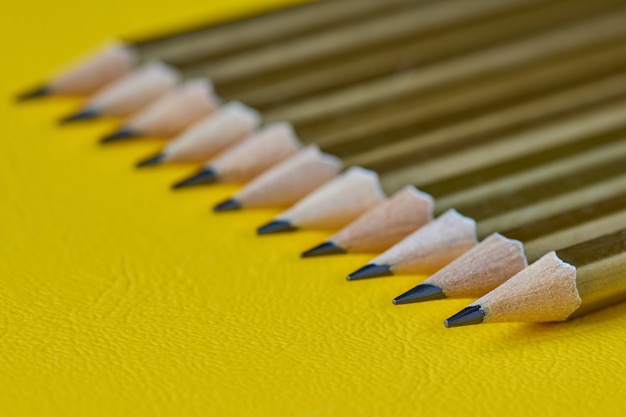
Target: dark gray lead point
[468, 316]
[422, 292]
[371, 271]
[86, 114]
[230, 204]
[121, 134]
[34, 93]
[326, 248]
[206, 176]
[276, 226]
[153, 160]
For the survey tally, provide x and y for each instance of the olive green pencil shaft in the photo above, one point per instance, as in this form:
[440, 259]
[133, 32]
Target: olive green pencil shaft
[600, 266]
[287, 84]
[525, 52]
[552, 196]
[215, 41]
[334, 42]
[569, 129]
[571, 227]
[380, 128]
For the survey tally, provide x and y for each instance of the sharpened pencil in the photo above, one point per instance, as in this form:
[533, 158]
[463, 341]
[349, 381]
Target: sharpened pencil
[380, 227]
[562, 104]
[562, 285]
[333, 205]
[230, 124]
[287, 182]
[242, 163]
[129, 94]
[500, 256]
[438, 243]
[254, 63]
[287, 114]
[210, 41]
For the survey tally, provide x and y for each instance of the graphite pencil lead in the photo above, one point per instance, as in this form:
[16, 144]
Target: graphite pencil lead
[85, 114]
[276, 226]
[153, 160]
[468, 316]
[34, 93]
[205, 176]
[326, 248]
[422, 292]
[371, 271]
[230, 204]
[121, 134]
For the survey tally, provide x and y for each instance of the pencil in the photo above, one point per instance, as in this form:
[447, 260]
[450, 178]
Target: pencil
[389, 44]
[287, 182]
[171, 114]
[562, 285]
[286, 84]
[299, 87]
[538, 109]
[550, 135]
[242, 163]
[229, 125]
[492, 60]
[138, 87]
[380, 232]
[438, 243]
[199, 47]
[500, 256]
[209, 41]
[544, 76]
[129, 94]
[435, 162]
[482, 184]
[212, 41]
[382, 226]
[578, 96]
[333, 205]
[527, 205]
[405, 118]
[305, 112]
[95, 71]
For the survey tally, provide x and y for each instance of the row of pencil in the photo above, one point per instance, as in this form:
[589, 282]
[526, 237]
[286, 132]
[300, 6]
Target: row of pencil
[508, 115]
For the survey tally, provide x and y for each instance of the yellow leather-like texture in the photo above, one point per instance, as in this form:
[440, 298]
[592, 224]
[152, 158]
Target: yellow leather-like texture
[119, 297]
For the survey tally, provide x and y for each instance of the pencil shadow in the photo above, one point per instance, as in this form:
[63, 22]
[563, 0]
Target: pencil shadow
[613, 316]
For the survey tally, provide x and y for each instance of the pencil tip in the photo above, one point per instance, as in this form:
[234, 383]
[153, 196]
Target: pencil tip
[230, 204]
[467, 316]
[123, 133]
[326, 248]
[276, 226]
[34, 93]
[153, 160]
[422, 292]
[204, 176]
[85, 114]
[371, 271]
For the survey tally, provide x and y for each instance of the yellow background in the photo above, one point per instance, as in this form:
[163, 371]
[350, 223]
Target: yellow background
[121, 298]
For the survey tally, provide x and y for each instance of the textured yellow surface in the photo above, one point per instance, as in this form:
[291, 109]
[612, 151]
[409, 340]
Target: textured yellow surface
[121, 298]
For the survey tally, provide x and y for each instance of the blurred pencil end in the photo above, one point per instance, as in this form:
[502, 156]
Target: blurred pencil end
[38, 92]
[371, 271]
[86, 114]
[276, 226]
[466, 317]
[151, 161]
[205, 176]
[326, 248]
[121, 134]
[422, 292]
[228, 205]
